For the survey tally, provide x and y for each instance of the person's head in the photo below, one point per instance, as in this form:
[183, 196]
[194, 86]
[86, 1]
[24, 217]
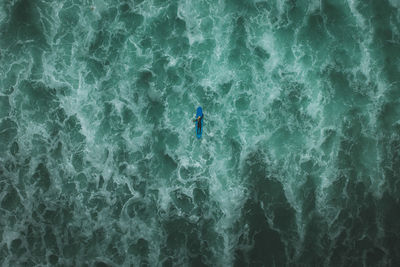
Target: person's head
[199, 118]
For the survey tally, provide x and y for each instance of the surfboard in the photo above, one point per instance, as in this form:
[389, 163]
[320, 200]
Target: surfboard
[199, 132]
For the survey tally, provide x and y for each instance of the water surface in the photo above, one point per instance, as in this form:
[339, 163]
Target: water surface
[299, 163]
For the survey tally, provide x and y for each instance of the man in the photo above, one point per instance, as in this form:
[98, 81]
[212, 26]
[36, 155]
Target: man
[199, 118]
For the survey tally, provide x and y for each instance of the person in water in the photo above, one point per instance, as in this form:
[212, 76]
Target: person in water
[199, 118]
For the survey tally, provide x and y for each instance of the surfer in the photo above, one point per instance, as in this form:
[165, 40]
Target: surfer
[199, 118]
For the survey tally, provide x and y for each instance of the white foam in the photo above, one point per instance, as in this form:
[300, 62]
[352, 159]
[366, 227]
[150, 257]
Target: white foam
[353, 8]
[395, 3]
[313, 6]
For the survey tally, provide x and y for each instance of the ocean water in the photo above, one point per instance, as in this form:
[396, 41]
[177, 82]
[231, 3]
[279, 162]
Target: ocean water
[299, 162]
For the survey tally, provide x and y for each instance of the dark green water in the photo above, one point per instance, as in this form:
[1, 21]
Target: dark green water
[299, 163]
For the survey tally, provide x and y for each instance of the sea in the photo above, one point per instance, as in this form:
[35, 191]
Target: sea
[298, 163]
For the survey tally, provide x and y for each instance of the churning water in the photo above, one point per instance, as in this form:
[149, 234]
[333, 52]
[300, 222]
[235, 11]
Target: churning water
[299, 162]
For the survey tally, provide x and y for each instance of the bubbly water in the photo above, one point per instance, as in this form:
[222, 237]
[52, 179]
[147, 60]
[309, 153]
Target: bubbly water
[299, 162]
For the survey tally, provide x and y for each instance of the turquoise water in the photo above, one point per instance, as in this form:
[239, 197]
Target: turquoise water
[298, 165]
